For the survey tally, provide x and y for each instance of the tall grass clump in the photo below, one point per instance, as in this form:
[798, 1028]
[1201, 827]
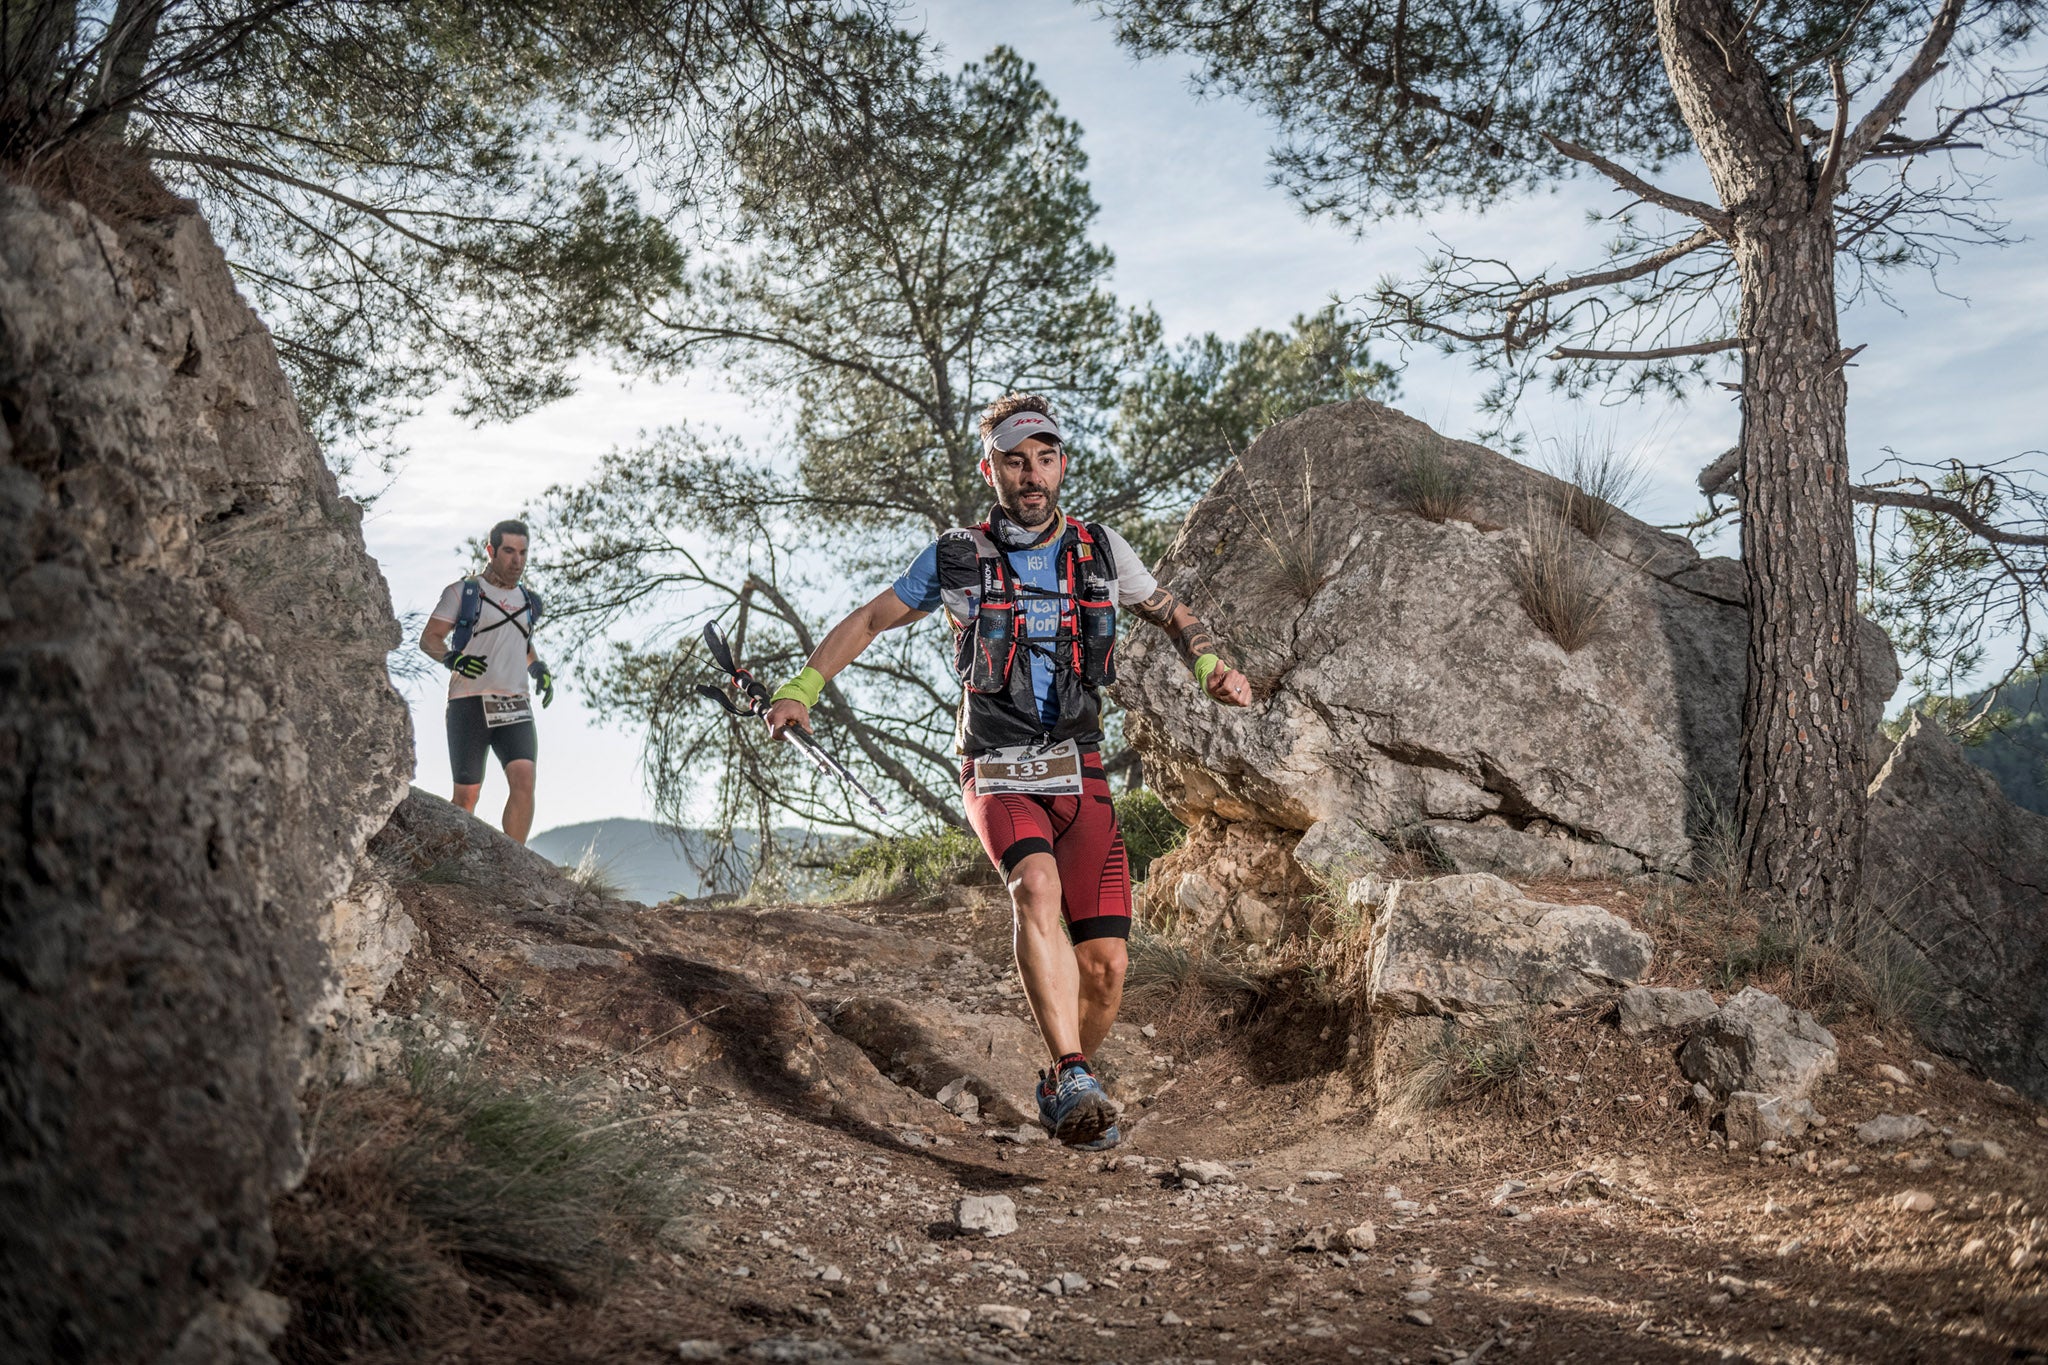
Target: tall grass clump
[1556, 581]
[1167, 966]
[1602, 481]
[1432, 484]
[433, 1190]
[1149, 830]
[595, 876]
[1287, 528]
[1493, 1064]
[920, 864]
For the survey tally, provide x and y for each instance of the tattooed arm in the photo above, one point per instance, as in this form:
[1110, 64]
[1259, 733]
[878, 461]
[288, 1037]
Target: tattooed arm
[1194, 640]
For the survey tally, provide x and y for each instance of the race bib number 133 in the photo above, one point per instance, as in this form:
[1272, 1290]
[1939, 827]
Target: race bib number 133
[1030, 770]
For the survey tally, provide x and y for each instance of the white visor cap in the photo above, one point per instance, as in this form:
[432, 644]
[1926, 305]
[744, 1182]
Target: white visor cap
[1020, 427]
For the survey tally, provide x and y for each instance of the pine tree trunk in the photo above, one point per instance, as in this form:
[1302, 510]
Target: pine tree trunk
[1801, 804]
[1802, 801]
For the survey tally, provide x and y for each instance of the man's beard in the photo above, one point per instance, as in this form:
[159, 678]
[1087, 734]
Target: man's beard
[1029, 520]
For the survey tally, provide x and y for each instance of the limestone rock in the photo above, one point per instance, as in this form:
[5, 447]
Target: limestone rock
[1889, 1128]
[1411, 697]
[1654, 1011]
[199, 735]
[1473, 944]
[1753, 1119]
[991, 1215]
[368, 935]
[1241, 877]
[1755, 1042]
[1962, 876]
[1192, 1172]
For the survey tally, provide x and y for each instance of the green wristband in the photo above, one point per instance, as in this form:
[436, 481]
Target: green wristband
[1204, 666]
[804, 687]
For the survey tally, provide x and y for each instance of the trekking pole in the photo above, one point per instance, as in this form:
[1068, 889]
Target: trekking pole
[756, 696]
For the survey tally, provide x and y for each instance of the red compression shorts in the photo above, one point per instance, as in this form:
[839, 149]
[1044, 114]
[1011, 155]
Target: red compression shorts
[1081, 834]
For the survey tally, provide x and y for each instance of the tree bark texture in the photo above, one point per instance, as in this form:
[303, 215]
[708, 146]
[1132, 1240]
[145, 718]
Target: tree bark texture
[1802, 801]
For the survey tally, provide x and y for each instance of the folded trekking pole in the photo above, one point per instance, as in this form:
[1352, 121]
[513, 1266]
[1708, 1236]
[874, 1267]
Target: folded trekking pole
[756, 697]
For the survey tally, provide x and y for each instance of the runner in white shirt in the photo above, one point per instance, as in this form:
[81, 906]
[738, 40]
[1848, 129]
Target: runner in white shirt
[489, 708]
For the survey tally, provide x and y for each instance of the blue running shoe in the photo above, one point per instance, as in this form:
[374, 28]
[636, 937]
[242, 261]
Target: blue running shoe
[1045, 1095]
[1080, 1110]
[1103, 1143]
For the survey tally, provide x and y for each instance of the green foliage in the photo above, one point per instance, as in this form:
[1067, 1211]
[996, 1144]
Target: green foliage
[909, 864]
[1149, 829]
[895, 277]
[423, 197]
[2006, 735]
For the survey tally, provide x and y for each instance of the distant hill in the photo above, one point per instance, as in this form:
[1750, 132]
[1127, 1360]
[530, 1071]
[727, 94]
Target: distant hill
[2017, 754]
[648, 861]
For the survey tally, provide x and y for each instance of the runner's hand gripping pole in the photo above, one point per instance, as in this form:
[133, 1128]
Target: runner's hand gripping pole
[756, 698]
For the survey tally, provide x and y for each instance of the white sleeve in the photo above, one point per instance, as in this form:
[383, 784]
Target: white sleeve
[1134, 582]
[450, 605]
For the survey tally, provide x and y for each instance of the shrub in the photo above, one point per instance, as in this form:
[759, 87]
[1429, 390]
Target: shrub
[1149, 829]
[1556, 580]
[1431, 484]
[909, 864]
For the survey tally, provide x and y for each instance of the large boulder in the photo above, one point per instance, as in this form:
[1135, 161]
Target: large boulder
[1955, 878]
[198, 736]
[1756, 1042]
[1403, 691]
[1472, 945]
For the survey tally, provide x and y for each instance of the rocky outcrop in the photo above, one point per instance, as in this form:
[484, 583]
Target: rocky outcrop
[1955, 878]
[198, 735]
[1473, 945]
[1239, 877]
[1403, 691]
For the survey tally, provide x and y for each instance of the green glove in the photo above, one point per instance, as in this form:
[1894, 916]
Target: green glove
[543, 681]
[468, 665]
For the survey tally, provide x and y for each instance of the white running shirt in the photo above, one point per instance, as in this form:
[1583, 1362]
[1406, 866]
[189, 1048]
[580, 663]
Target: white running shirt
[504, 648]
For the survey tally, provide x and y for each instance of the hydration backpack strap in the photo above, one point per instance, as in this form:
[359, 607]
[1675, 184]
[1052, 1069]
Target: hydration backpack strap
[532, 610]
[466, 614]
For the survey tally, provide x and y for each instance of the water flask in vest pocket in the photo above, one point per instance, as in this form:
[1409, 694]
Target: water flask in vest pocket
[984, 646]
[1098, 633]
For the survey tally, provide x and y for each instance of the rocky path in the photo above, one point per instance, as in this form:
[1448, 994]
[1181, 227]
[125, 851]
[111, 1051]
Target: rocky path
[842, 1213]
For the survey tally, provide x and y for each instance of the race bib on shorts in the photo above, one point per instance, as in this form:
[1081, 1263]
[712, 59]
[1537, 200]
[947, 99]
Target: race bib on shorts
[1030, 770]
[507, 711]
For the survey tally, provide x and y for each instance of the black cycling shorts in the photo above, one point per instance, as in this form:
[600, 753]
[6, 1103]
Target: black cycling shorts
[469, 737]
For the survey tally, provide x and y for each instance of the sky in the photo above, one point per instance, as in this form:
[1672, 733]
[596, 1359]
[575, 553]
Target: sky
[1201, 234]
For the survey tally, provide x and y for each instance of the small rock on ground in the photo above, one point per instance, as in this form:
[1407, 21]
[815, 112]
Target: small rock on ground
[991, 1215]
[1890, 1128]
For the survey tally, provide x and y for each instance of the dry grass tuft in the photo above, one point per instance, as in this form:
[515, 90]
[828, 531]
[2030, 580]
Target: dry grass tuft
[1602, 479]
[1432, 484]
[1287, 528]
[1492, 1065]
[1556, 579]
[444, 1198]
[595, 876]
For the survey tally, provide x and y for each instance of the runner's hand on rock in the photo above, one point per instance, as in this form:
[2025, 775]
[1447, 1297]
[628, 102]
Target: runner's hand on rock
[1230, 687]
[543, 681]
[786, 713]
[468, 665]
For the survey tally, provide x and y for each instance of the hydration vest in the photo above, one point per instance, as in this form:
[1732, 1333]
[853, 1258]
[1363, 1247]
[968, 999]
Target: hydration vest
[983, 596]
[473, 607]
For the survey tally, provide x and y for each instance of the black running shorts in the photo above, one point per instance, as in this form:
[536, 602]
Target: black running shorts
[469, 738]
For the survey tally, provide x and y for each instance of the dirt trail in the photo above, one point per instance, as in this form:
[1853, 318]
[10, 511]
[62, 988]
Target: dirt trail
[1596, 1221]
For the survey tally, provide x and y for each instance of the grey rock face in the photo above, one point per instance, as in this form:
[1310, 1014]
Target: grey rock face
[199, 736]
[991, 1215]
[1654, 1011]
[1957, 879]
[1756, 1042]
[1410, 695]
[1473, 944]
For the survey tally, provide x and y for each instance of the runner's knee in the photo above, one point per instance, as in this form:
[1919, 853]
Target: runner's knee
[1102, 962]
[519, 775]
[1034, 881]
